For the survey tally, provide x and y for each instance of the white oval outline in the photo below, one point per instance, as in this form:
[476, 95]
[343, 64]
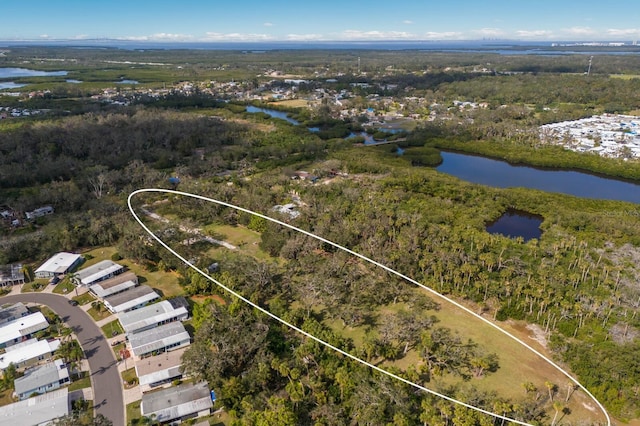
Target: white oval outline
[386, 268]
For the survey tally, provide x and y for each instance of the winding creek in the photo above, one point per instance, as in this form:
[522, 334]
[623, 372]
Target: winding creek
[500, 174]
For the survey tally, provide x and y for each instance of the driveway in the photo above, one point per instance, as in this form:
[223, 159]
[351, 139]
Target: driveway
[105, 379]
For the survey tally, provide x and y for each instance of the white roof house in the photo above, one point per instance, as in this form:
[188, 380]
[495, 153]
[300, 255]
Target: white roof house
[11, 312]
[130, 299]
[42, 379]
[151, 316]
[174, 403]
[114, 285]
[38, 410]
[164, 338]
[58, 264]
[98, 272]
[156, 370]
[22, 328]
[26, 352]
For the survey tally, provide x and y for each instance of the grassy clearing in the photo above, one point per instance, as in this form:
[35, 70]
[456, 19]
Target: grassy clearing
[111, 328]
[133, 412]
[129, 376]
[100, 313]
[5, 397]
[34, 286]
[83, 299]
[244, 239]
[292, 103]
[82, 383]
[517, 364]
[65, 286]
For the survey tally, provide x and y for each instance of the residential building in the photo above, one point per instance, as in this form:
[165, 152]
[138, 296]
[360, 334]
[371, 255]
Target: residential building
[99, 272]
[59, 264]
[11, 275]
[42, 211]
[178, 403]
[42, 379]
[115, 285]
[21, 329]
[10, 312]
[160, 339]
[152, 316]
[28, 353]
[160, 369]
[39, 410]
[129, 300]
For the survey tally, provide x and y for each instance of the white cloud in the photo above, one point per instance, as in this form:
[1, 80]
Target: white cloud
[376, 35]
[169, 36]
[534, 34]
[268, 24]
[489, 32]
[213, 36]
[407, 21]
[619, 32]
[579, 31]
[44, 36]
[305, 37]
[447, 35]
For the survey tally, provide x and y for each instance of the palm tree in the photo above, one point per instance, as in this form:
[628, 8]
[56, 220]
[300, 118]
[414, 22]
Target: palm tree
[552, 389]
[557, 406]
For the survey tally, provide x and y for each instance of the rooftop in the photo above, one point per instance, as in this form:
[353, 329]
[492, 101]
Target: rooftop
[161, 367]
[93, 273]
[149, 315]
[177, 401]
[114, 285]
[30, 349]
[22, 326]
[131, 298]
[12, 312]
[51, 372]
[58, 263]
[36, 410]
[158, 338]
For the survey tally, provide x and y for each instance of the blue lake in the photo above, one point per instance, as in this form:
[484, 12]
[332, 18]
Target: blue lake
[23, 72]
[273, 113]
[10, 85]
[127, 82]
[500, 174]
[514, 223]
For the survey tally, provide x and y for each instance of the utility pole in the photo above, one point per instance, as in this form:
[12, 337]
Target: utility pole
[358, 65]
[589, 69]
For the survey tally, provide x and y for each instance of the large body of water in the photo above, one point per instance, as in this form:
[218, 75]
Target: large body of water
[23, 72]
[505, 47]
[487, 171]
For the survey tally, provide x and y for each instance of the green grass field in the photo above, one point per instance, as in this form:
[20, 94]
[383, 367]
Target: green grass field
[84, 298]
[111, 328]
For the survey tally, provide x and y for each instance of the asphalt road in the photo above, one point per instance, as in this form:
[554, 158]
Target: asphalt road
[105, 379]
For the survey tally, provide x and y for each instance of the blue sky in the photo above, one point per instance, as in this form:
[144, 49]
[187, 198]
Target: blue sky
[299, 20]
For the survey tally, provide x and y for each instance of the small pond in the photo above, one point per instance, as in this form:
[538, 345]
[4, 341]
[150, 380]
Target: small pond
[516, 223]
[10, 85]
[273, 113]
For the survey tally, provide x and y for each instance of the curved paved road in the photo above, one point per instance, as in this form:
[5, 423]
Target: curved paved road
[107, 386]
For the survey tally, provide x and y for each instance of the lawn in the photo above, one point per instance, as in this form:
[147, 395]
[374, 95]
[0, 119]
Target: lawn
[5, 397]
[129, 376]
[111, 328]
[84, 298]
[133, 412]
[65, 286]
[82, 383]
[99, 314]
[37, 285]
[245, 239]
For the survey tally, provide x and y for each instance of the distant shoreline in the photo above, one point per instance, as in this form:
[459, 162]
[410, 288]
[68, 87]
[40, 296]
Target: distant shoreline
[475, 46]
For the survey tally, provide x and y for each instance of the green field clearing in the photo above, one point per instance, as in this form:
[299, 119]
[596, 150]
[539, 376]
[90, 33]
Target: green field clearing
[111, 328]
[84, 298]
